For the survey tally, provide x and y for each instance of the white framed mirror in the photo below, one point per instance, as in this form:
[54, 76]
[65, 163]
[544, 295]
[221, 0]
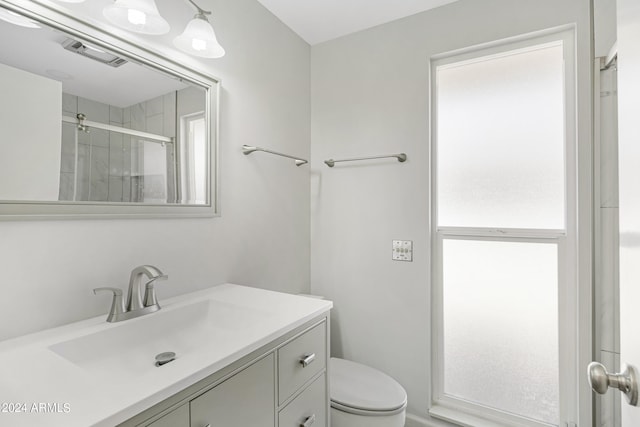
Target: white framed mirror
[93, 126]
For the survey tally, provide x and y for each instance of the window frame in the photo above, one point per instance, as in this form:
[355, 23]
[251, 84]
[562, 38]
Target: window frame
[184, 157]
[468, 413]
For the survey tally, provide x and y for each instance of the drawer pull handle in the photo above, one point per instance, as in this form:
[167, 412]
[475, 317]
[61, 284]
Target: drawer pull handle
[310, 420]
[307, 359]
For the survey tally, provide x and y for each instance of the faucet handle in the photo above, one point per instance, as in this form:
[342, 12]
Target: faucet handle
[150, 291]
[117, 304]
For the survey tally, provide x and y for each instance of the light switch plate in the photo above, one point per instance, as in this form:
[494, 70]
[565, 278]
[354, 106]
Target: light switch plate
[402, 250]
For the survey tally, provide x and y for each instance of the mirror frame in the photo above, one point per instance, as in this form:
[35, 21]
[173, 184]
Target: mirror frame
[55, 17]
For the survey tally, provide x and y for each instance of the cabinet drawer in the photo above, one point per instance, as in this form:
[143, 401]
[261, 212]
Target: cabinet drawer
[293, 369]
[244, 400]
[310, 407]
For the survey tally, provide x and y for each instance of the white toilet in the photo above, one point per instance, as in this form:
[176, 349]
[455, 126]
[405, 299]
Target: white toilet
[364, 397]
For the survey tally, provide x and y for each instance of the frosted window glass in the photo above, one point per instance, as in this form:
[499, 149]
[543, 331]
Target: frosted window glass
[500, 143]
[501, 326]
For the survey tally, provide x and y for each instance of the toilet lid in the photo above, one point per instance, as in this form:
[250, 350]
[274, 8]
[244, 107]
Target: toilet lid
[361, 387]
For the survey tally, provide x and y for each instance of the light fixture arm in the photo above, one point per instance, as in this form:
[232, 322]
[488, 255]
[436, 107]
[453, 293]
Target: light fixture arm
[201, 12]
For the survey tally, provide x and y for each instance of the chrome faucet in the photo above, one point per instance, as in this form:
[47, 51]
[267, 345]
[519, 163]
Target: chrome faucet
[136, 305]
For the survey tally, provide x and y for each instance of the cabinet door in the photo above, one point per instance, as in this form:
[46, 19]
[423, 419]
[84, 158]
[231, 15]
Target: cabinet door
[245, 400]
[177, 418]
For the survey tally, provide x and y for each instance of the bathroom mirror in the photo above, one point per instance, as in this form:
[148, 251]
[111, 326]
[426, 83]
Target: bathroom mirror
[94, 126]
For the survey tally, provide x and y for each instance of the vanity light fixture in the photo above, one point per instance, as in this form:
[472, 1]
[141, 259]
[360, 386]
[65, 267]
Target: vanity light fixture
[17, 19]
[198, 38]
[139, 16]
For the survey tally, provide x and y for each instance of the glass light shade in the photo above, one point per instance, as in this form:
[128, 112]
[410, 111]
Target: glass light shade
[17, 19]
[199, 39]
[71, 1]
[139, 16]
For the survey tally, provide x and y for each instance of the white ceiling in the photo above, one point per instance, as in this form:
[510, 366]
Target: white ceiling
[317, 21]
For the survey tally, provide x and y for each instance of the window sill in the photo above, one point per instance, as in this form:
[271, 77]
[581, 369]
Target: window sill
[465, 419]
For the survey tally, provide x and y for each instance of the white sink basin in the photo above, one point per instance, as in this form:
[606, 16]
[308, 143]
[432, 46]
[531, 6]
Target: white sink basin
[129, 347]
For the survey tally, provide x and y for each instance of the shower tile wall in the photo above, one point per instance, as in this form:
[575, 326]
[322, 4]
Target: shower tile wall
[169, 108]
[67, 160]
[132, 180]
[97, 141]
[157, 115]
[119, 173]
[110, 165]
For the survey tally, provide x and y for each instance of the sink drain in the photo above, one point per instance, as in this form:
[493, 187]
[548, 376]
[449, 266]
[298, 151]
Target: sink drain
[164, 358]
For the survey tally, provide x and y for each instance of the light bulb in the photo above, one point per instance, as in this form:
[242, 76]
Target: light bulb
[198, 44]
[136, 17]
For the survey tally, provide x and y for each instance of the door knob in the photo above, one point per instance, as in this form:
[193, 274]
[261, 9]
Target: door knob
[626, 381]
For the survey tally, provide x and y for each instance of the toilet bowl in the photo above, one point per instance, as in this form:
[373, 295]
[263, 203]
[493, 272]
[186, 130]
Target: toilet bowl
[364, 397]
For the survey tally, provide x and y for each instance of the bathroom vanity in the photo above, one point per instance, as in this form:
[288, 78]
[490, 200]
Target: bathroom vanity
[282, 384]
[244, 357]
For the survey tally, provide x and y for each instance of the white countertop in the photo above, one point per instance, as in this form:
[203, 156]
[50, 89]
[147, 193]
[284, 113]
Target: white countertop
[50, 390]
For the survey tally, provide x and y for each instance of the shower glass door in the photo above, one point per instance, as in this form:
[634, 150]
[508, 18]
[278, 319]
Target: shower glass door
[114, 164]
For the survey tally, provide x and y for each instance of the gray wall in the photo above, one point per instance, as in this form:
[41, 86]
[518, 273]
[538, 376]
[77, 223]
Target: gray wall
[261, 239]
[24, 144]
[370, 94]
[604, 26]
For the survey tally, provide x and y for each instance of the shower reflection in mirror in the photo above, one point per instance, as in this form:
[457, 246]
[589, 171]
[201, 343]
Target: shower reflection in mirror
[133, 154]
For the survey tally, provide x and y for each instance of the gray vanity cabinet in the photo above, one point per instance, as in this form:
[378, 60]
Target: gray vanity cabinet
[245, 399]
[283, 384]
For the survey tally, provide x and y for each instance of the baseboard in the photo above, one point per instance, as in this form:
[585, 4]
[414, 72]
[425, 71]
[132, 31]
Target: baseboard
[416, 421]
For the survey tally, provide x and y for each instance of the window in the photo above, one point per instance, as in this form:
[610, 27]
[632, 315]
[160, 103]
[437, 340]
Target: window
[504, 233]
[193, 155]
